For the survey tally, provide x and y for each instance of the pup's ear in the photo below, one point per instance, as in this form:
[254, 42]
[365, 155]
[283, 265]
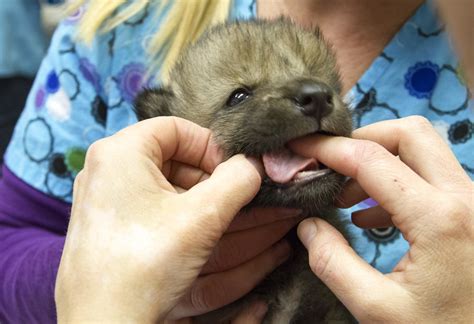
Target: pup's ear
[153, 103]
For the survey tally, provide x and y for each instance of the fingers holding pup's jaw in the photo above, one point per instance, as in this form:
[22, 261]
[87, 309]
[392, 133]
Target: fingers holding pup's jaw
[261, 216]
[217, 290]
[239, 247]
[378, 172]
[420, 147]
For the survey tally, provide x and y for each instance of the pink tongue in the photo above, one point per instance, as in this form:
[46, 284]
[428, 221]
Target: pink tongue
[281, 166]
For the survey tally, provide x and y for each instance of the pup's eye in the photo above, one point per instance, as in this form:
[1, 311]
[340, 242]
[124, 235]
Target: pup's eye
[237, 97]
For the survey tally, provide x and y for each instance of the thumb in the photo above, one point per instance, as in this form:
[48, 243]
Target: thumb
[232, 185]
[354, 282]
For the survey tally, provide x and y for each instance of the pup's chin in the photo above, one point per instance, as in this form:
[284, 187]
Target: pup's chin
[313, 193]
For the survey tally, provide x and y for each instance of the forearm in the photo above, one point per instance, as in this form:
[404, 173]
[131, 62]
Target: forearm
[32, 229]
[29, 260]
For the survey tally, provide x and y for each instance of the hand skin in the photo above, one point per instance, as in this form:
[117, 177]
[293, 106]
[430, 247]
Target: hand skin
[427, 195]
[138, 249]
[253, 314]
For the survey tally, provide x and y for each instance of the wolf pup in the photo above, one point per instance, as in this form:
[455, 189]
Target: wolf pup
[258, 85]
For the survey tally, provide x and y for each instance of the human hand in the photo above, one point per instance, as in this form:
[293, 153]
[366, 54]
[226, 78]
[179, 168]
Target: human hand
[427, 195]
[239, 261]
[252, 314]
[135, 246]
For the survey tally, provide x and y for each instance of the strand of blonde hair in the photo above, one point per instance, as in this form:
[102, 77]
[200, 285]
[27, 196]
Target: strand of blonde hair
[184, 24]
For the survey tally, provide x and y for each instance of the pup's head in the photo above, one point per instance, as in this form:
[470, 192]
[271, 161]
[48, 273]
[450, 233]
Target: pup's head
[258, 85]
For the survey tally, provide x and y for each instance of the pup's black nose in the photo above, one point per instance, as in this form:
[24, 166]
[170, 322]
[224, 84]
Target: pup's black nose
[314, 99]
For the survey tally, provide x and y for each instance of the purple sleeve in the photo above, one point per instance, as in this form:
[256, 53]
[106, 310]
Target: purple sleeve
[32, 233]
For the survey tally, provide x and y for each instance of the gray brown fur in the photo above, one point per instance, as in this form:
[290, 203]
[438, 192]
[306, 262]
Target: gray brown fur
[271, 60]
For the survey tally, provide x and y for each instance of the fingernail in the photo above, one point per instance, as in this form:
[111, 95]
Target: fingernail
[257, 164]
[307, 231]
[260, 309]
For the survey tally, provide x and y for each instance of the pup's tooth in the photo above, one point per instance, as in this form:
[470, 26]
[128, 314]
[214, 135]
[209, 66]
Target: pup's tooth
[310, 175]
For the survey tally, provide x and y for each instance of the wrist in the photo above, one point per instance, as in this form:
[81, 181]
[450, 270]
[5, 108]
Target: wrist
[91, 307]
[109, 312]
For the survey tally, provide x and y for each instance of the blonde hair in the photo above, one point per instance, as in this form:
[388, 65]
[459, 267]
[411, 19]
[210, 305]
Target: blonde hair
[185, 22]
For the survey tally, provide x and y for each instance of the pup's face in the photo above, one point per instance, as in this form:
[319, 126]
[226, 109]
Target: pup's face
[258, 85]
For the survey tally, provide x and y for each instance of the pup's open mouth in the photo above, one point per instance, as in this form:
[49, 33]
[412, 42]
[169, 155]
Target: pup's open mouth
[287, 168]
